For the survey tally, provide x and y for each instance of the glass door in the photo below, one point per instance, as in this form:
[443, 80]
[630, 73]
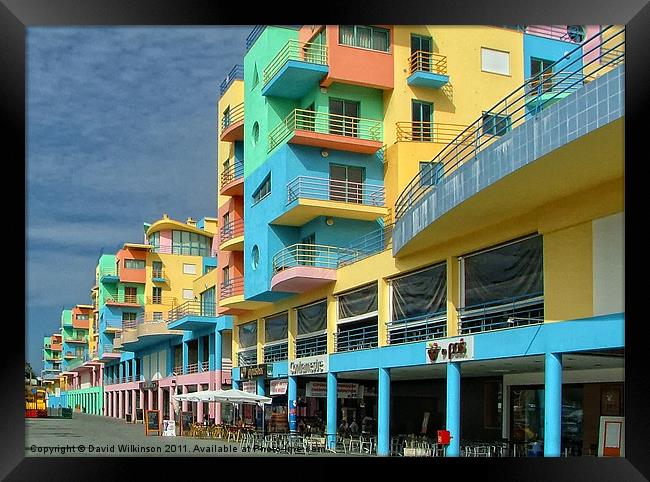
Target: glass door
[344, 117]
[421, 118]
[346, 183]
[420, 53]
[308, 119]
[307, 254]
[538, 66]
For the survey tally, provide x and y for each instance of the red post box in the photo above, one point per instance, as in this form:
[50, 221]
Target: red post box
[444, 437]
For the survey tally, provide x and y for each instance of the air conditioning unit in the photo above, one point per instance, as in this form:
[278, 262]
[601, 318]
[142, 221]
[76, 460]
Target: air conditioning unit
[577, 33]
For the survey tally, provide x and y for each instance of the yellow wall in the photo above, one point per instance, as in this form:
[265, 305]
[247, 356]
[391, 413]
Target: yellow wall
[226, 150]
[205, 282]
[176, 279]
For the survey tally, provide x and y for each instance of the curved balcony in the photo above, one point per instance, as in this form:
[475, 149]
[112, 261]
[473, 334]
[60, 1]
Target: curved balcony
[310, 197]
[236, 73]
[302, 267]
[427, 69]
[571, 98]
[231, 236]
[295, 70]
[195, 315]
[325, 130]
[232, 179]
[232, 124]
[150, 329]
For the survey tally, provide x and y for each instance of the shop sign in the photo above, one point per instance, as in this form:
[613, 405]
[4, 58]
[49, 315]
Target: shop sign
[309, 365]
[169, 428]
[149, 385]
[279, 387]
[452, 349]
[249, 387]
[344, 390]
[253, 371]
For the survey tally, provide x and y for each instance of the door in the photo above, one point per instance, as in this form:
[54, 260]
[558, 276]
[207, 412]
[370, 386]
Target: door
[157, 269]
[308, 119]
[421, 120]
[538, 66]
[344, 117]
[156, 295]
[306, 255]
[346, 183]
[421, 53]
[130, 294]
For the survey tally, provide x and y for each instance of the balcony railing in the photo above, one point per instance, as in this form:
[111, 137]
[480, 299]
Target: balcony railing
[335, 190]
[236, 73]
[158, 274]
[295, 50]
[232, 116]
[420, 131]
[276, 352]
[192, 368]
[418, 328]
[192, 308]
[205, 366]
[247, 357]
[311, 345]
[325, 123]
[566, 33]
[572, 71]
[125, 298]
[314, 255]
[499, 314]
[181, 249]
[421, 61]
[253, 36]
[77, 339]
[232, 172]
[108, 271]
[231, 230]
[127, 325]
[162, 300]
[372, 243]
[356, 338]
[152, 317]
[232, 287]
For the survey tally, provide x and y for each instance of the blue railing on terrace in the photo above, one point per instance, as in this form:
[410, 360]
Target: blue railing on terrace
[192, 308]
[335, 190]
[372, 243]
[595, 57]
[108, 271]
[506, 313]
[276, 352]
[236, 73]
[313, 255]
[311, 345]
[356, 338]
[254, 35]
[418, 328]
[247, 357]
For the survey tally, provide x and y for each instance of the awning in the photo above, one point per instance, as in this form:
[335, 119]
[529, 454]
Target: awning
[232, 395]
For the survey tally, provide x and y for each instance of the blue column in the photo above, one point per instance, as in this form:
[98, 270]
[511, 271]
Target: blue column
[121, 371]
[292, 395]
[186, 356]
[260, 386]
[133, 372]
[170, 360]
[383, 413]
[552, 404]
[236, 384]
[211, 352]
[453, 408]
[200, 352]
[332, 385]
[218, 350]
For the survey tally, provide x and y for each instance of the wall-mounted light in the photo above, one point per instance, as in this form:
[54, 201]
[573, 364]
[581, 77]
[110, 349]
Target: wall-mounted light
[324, 153]
[330, 221]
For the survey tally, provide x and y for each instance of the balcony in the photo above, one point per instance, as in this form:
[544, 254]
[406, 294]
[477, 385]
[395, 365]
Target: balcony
[500, 314]
[549, 87]
[236, 73]
[109, 275]
[158, 275]
[123, 299]
[231, 236]
[311, 345]
[295, 70]
[303, 267]
[193, 315]
[418, 328]
[435, 132]
[181, 249]
[150, 329]
[359, 338]
[168, 301]
[276, 352]
[325, 130]
[232, 179]
[109, 352]
[247, 357]
[232, 124]
[310, 197]
[56, 346]
[69, 355]
[80, 324]
[427, 69]
[367, 245]
[77, 339]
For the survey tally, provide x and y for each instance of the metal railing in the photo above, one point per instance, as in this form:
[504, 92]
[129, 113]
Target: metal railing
[205, 366]
[158, 273]
[421, 61]
[77, 339]
[356, 338]
[232, 116]
[162, 300]
[558, 32]
[315, 255]
[325, 123]
[312, 53]
[231, 230]
[518, 107]
[311, 345]
[192, 368]
[247, 357]
[253, 36]
[236, 73]
[232, 287]
[425, 327]
[335, 190]
[506, 313]
[152, 317]
[232, 172]
[181, 249]
[125, 298]
[276, 352]
[367, 245]
[128, 325]
[108, 271]
[192, 308]
[421, 131]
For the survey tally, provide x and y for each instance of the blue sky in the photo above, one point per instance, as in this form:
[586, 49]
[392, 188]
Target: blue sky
[121, 127]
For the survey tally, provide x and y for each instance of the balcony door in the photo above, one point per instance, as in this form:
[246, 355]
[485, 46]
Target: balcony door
[307, 254]
[344, 117]
[346, 183]
[422, 119]
[537, 66]
[420, 53]
[307, 121]
[130, 294]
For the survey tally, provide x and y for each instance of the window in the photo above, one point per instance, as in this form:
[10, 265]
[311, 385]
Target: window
[188, 294]
[262, 191]
[495, 61]
[357, 319]
[226, 275]
[346, 183]
[126, 316]
[207, 269]
[419, 294]
[134, 263]
[537, 66]
[275, 327]
[156, 268]
[190, 243]
[431, 173]
[344, 117]
[358, 304]
[208, 302]
[189, 268]
[226, 117]
[420, 53]
[366, 37]
[130, 294]
[82, 317]
[156, 295]
[312, 318]
[421, 121]
[154, 239]
[256, 133]
[495, 124]
[255, 254]
[248, 334]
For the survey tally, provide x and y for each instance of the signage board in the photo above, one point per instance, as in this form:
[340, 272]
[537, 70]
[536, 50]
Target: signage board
[152, 422]
[253, 371]
[459, 348]
[169, 428]
[279, 387]
[249, 387]
[187, 418]
[139, 415]
[611, 438]
[309, 365]
[344, 390]
[153, 385]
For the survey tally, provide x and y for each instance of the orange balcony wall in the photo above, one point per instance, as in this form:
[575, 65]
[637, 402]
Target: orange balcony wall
[354, 65]
[131, 275]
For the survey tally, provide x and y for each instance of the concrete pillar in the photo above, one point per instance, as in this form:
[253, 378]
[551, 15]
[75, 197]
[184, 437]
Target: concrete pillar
[184, 403]
[199, 409]
[172, 415]
[217, 366]
[552, 404]
[186, 356]
[331, 409]
[121, 371]
[133, 405]
[120, 401]
[292, 396]
[211, 366]
[141, 400]
[133, 372]
[150, 400]
[383, 413]
[160, 401]
[200, 354]
[453, 408]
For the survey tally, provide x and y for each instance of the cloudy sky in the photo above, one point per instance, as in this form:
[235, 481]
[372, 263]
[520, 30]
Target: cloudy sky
[121, 127]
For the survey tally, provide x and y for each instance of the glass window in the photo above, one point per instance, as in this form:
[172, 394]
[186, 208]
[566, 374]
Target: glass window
[248, 334]
[154, 239]
[366, 37]
[188, 294]
[419, 294]
[312, 318]
[431, 173]
[156, 294]
[358, 303]
[495, 61]
[275, 327]
[189, 268]
[126, 316]
[262, 191]
[495, 124]
[134, 263]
